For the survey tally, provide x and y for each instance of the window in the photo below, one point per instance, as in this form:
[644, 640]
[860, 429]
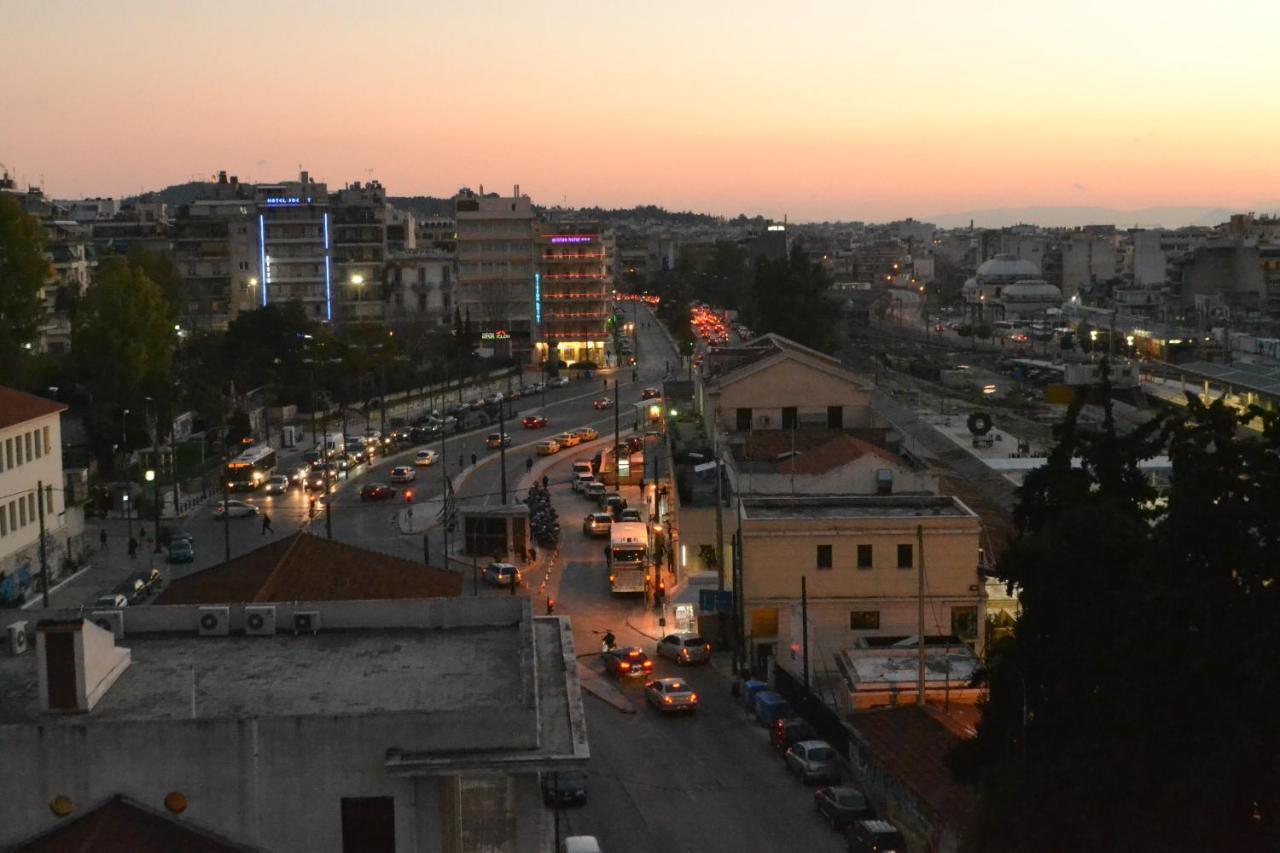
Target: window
[789, 417]
[864, 620]
[904, 557]
[824, 556]
[835, 417]
[31, 506]
[964, 622]
[26, 441]
[8, 452]
[4, 522]
[48, 499]
[38, 443]
[45, 432]
[13, 515]
[744, 420]
[864, 556]
[368, 825]
[22, 512]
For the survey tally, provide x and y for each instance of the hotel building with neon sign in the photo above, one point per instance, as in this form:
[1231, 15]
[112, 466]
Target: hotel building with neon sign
[573, 290]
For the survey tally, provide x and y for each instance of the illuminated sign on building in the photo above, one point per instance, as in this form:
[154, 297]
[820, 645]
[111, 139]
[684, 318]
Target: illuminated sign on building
[262, 256]
[293, 199]
[537, 298]
[573, 238]
[499, 335]
[328, 289]
[777, 228]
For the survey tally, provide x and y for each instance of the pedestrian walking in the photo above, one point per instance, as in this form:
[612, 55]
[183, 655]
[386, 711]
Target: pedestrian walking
[545, 481]
[634, 375]
[528, 465]
[133, 548]
[102, 538]
[604, 385]
[142, 534]
[266, 524]
[462, 461]
[473, 459]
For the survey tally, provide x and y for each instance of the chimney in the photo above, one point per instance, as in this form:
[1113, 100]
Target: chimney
[222, 176]
[303, 178]
[77, 661]
[516, 191]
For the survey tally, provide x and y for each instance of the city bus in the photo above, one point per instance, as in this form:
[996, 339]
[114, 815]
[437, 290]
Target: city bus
[628, 556]
[251, 468]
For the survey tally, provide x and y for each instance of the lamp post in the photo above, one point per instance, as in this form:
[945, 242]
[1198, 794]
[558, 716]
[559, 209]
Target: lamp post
[150, 477]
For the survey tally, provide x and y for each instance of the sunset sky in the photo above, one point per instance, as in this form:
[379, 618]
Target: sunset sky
[850, 110]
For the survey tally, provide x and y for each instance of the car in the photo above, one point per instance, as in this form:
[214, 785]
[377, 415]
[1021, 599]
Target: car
[813, 761]
[114, 601]
[579, 844]
[582, 467]
[684, 648]
[277, 485]
[298, 476]
[477, 403]
[627, 662]
[874, 836]
[423, 458]
[581, 481]
[534, 422]
[234, 509]
[567, 439]
[789, 730]
[842, 805]
[635, 444]
[564, 787]
[494, 440]
[671, 694]
[594, 491]
[311, 456]
[630, 515]
[181, 551]
[515, 394]
[587, 434]
[403, 474]
[557, 381]
[601, 403]
[597, 524]
[547, 448]
[139, 585]
[501, 574]
[615, 504]
[494, 399]
[318, 476]
[377, 492]
[650, 393]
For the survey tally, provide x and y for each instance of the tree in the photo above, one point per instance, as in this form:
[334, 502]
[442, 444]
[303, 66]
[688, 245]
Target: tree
[163, 272]
[1131, 706]
[23, 272]
[788, 296]
[122, 346]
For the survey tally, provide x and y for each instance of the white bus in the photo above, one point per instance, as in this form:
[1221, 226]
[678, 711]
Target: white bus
[251, 468]
[628, 556]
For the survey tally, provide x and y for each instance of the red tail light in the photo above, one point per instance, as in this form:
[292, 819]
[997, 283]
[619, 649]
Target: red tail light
[624, 665]
[648, 664]
[693, 697]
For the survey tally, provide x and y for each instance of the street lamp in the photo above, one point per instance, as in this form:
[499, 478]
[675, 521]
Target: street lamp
[357, 279]
[150, 477]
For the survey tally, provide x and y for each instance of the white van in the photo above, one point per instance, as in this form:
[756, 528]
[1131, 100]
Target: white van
[580, 844]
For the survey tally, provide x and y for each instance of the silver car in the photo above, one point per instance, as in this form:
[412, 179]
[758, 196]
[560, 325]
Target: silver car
[813, 761]
[684, 648]
[671, 694]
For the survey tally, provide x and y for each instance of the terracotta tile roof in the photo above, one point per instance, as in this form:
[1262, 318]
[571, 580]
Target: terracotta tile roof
[18, 407]
[818, 451]
[303, 567]
[912, 745]
[122, 826]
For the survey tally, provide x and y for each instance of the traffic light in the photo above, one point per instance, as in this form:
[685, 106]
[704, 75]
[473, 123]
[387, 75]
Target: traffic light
[311, 508]
[408, 496]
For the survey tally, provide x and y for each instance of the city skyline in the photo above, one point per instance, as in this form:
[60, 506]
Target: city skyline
[824, 113]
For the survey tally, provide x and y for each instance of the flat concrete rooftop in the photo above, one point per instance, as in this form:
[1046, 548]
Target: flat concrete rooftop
[853, 507]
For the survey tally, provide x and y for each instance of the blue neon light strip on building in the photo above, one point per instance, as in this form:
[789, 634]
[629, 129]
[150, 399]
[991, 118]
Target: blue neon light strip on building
[262, 256]
[328, 297]
[537, 298]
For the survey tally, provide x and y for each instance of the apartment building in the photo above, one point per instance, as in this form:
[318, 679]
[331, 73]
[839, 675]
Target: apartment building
[358, 251]
[572, 292]
[30, 487]
[215, 247]
[496, 267]
[294, 246]
[419, 285]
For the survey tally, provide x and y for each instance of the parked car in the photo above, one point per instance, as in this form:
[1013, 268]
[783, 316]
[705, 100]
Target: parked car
[139, 585]
[423, 458]
[566, 787]
[494, 440]
[181, 551]
[557, 381]
[581, 481]
[635, 444]
[597, 524]
[534, 422]
[650, 393]
[234, 509]
[594, 491]
[587, 434]
[630, 515]
[114, 601]
[874, 836]
[615, 504]
[671, 694]
[789, 730]
[501, 574]
[567, 439]
[684, 648]
[580, 844]
[602, 403]
[813, 761]
[547, 448]
[842, 805]
[403, 474]
[769, 707]
[582, 467]
[494, 399]
[627, 662]
[276, 485]
[377, 492]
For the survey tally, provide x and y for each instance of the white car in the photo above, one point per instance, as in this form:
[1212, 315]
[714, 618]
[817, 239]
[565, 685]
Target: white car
[558, 382]
[671, 694]
[423, 458]
[234, 509]
[111, 602]
[277, 485]
[403, 474]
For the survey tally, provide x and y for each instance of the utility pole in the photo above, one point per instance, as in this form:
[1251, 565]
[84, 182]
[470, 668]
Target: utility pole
[346, 472]
[502, 451]
[383, 399]
[804, 627]
[44, 557]
[328, 501]
[444, 497]
[152, 421]
[920, 613]
[719, 511]
[617, 433]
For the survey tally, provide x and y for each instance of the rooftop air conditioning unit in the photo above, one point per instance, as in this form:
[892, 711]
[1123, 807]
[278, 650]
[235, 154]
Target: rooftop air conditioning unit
[260, 620]
[109, 620]
[306, 621]
[18, 638]
[214, 621]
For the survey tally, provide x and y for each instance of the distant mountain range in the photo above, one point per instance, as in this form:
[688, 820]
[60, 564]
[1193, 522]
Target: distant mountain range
[1066, 217]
